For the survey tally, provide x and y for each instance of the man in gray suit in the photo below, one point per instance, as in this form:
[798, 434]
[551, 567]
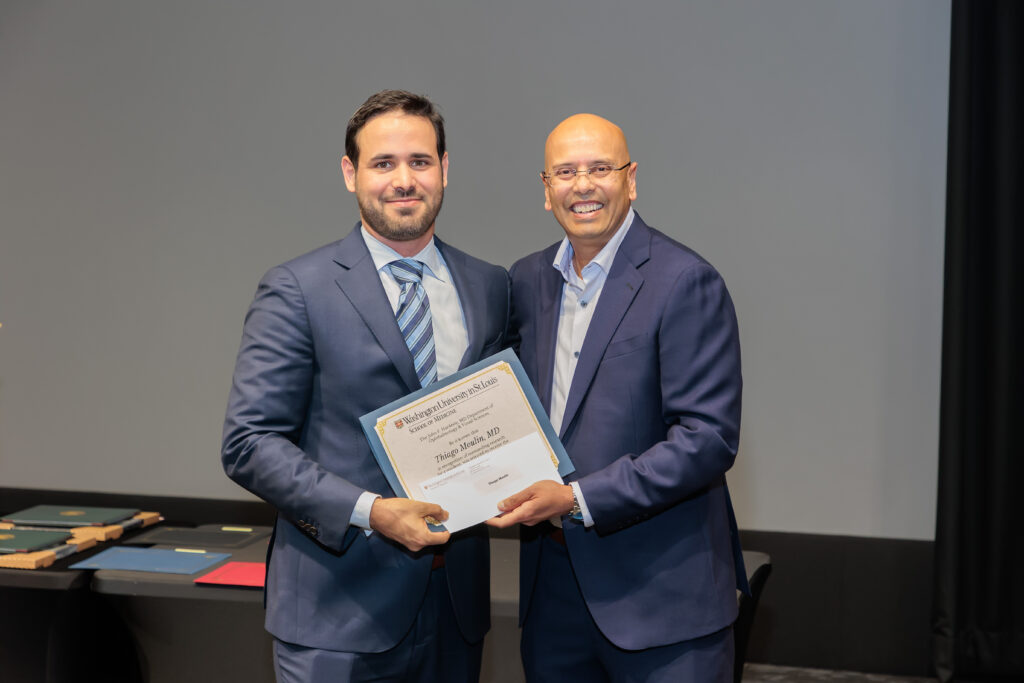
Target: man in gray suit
[358, 586]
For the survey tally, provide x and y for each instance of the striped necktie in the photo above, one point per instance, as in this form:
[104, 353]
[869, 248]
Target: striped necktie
[413, 317]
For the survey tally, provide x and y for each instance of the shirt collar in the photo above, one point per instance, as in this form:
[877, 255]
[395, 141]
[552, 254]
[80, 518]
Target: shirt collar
[604, 258]
[382, 255]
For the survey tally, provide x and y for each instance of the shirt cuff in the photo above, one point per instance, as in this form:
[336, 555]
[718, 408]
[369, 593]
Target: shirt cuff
[361, 512]
[587, 519]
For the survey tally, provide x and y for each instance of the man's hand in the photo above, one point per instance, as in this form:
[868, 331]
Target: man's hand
[536, 503]
[404, 520]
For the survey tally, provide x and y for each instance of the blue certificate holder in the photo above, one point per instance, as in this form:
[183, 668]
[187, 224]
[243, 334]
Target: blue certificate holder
[159, 560]
[369, 422]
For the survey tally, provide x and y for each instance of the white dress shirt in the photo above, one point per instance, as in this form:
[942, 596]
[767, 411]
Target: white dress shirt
[579, 300]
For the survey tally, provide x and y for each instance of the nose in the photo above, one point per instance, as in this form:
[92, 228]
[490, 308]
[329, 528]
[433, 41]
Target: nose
[403, 178]
[582, 182]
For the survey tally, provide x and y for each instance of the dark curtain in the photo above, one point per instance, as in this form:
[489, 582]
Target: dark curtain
[978, 617]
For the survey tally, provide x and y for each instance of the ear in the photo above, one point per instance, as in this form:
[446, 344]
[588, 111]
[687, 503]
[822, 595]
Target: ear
[547, 192]
[348, 169]
[444, 170]
[631, 176]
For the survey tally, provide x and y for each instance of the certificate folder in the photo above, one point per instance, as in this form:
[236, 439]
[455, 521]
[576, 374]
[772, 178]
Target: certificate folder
[198, 538]
[152, 560]
[467, 441]
[30, 540]
[69, 516]
[251, 574]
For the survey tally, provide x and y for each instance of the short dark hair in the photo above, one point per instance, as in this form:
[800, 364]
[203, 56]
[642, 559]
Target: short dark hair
[392, 100]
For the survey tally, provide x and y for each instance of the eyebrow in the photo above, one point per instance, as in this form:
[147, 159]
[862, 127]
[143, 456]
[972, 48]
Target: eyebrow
[594, 162]
[386, 156]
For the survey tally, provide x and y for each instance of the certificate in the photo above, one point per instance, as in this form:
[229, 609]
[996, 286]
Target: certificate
[468, 441]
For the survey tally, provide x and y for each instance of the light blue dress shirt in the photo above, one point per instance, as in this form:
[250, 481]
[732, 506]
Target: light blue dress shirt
[579, 300]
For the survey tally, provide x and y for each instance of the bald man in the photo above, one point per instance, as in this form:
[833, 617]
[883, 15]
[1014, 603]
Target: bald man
[629, 570]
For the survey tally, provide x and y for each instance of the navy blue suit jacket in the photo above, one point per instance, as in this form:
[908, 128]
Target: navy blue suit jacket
[320, 348]
[652, 424]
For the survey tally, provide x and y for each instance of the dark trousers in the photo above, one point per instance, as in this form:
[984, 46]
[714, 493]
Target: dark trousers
[433, 650]
[562, 644]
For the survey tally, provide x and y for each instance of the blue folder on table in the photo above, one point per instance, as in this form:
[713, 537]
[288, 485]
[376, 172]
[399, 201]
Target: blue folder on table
[152, 560]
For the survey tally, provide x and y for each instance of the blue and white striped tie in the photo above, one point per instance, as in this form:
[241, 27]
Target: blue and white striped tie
[413, 317]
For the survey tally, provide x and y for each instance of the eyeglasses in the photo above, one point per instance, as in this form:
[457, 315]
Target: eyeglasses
[569, 174]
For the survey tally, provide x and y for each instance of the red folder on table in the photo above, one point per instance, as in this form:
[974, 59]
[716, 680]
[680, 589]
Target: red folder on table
[236, 574]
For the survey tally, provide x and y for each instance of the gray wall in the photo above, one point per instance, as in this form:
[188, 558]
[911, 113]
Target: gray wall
[157, 157]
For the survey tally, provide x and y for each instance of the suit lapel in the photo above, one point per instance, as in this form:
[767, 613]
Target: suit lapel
[619, 291]
[472, 298]
[550, 298]
[359, 281]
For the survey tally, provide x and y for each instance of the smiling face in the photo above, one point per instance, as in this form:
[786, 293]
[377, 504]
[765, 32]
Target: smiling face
[589, 209]
[399, 181]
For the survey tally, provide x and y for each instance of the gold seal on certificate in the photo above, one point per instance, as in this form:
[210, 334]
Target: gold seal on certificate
[468, 441]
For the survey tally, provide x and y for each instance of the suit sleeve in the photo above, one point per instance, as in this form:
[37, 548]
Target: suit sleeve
[267, 412]
[698, 372]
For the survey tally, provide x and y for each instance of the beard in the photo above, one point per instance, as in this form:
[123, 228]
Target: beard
[405, 227]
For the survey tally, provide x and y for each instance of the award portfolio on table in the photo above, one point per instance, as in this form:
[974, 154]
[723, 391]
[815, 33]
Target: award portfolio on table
[69, 516]
[468, 441]
[249, 574]
[220, 537]
[30, 540]
[179, 561]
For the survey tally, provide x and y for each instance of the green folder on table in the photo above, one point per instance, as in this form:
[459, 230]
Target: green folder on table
[27, 541]
[69, 516]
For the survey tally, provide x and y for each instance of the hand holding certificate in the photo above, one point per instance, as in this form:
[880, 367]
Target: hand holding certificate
[468, 442]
